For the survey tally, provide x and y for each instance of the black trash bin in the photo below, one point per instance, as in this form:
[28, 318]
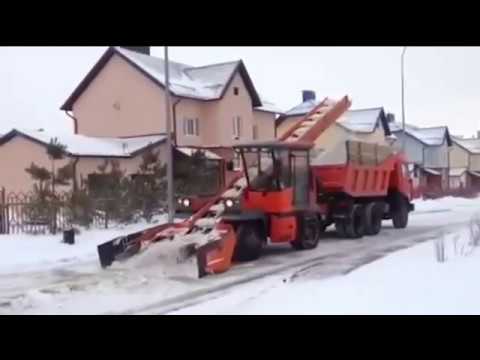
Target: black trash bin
[69, 236]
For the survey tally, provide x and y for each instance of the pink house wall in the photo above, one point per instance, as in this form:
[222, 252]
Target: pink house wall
[265, 122]
[121, 101]
[17, 154]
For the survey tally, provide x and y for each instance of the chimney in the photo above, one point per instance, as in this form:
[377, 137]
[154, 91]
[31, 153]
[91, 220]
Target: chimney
[478, 134]
[140, 49]
[308, 95]
[390, 118]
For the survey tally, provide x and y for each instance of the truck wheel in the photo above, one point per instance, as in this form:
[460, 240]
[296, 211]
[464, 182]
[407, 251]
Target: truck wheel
[249, 243]
[340, 228]
[355, 225]
[373, 218]
[309, 234]
[400, 213]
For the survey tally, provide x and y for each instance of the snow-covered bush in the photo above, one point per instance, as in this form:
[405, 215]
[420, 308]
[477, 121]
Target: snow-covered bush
[439, 245]
[475, 230]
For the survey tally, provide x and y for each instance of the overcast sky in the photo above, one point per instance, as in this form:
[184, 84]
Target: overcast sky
[442, 83]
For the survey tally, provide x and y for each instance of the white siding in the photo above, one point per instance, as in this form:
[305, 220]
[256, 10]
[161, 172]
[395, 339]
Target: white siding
[413, 148]
[436, 156]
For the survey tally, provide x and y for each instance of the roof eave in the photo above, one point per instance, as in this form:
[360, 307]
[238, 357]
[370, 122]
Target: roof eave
[68, 104]
[248, 83]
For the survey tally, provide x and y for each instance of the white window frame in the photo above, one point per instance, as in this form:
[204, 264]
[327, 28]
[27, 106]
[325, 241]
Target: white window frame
[237, 127]
[191, 127]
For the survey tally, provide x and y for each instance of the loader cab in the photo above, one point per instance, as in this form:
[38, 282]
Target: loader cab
[277, 175]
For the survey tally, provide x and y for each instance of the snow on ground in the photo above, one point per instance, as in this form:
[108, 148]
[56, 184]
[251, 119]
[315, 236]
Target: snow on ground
[41, 275]
[23, 252]
[408, 282]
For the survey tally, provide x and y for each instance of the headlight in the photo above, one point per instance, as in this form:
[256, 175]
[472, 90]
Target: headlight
[229, 203]
[186, 202]
[179, 201]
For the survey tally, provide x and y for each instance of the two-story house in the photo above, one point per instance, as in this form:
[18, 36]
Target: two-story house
[427, 150]
[118, 112]
[212, 106]
[465, 163]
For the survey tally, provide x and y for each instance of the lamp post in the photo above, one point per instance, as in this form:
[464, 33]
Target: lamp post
[170, 208]
[403, 95]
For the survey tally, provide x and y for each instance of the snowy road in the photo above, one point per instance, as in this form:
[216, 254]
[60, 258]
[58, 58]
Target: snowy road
[80, 287]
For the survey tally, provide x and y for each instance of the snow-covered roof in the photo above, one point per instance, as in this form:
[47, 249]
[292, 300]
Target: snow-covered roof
[303, 108]
[269, 106]
[431, 171]
[202, 83]
[457, 171]
[474, 173]
[471, 145]
[81, 145]
[360, 120]
[190, 151]
[432, 136]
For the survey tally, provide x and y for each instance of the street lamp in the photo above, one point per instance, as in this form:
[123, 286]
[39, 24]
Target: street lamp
[403, 96]
[170, 208]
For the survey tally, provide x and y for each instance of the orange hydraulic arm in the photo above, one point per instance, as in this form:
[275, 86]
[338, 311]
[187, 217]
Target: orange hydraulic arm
[316, 121]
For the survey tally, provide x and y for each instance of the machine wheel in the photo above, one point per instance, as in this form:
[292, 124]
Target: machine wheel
[340, 228]
[373, 218]
[309, 234]
[355, 225]
[399, 212]
[249, 243]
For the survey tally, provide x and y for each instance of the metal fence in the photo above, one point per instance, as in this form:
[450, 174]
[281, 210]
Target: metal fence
[16, 215]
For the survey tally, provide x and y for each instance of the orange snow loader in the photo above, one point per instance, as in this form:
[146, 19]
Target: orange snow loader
[290, 192]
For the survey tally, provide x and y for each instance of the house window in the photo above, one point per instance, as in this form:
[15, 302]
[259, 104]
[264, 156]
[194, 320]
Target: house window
[190, 127]
[255, 132]
[237, 126]
[235, 90]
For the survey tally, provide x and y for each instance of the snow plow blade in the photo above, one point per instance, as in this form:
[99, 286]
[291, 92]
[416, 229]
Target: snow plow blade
[114, 249]
[124, 247]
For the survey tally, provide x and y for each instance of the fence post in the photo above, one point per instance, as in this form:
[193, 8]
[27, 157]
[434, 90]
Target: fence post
[106, 217]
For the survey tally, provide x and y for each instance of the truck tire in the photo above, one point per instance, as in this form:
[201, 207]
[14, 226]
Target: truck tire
[249, 243]
[355, 225]
[373, 218]
[340, 228]
[399, 212]
[309, 233]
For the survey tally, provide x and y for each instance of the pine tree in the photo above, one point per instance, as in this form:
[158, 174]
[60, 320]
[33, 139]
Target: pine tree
[147, 190]
[55, 151]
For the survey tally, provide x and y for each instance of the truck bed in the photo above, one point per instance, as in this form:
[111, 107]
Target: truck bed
[364, 171]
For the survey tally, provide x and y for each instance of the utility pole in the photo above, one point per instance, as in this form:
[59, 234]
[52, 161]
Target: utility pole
[170, 203]
[403, 96]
